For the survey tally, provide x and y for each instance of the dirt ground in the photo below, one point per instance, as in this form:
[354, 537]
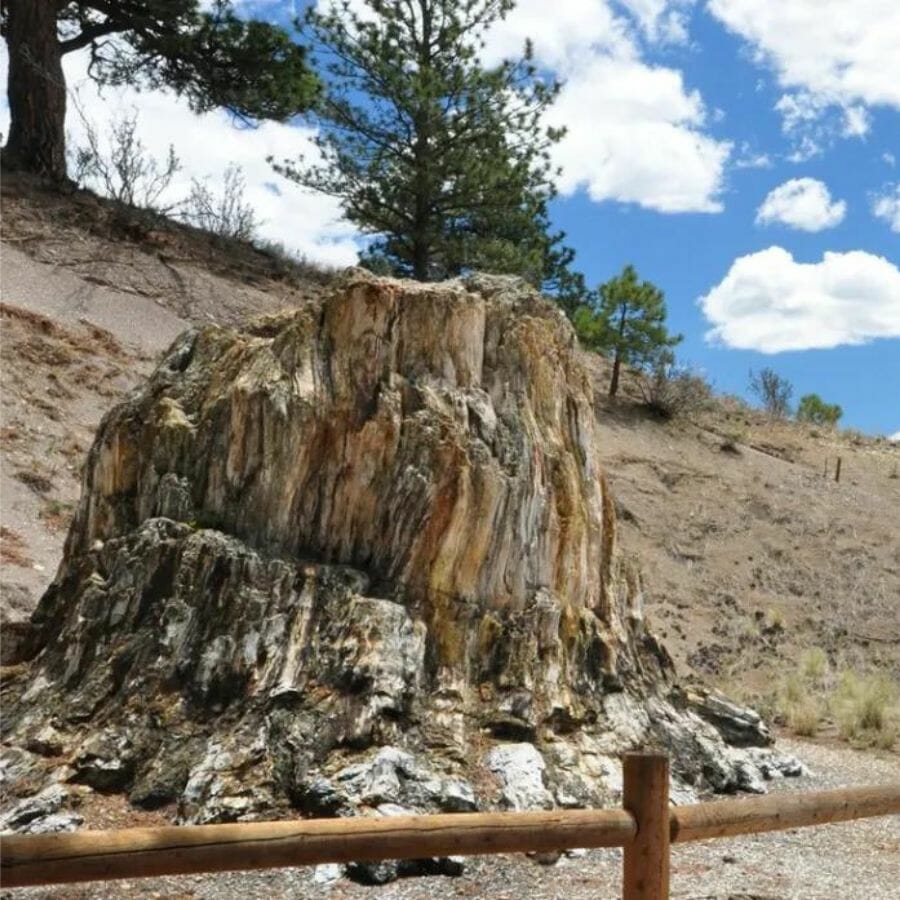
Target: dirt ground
[750, 553]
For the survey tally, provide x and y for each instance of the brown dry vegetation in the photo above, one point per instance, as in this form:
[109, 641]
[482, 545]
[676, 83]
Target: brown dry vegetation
[12, 548]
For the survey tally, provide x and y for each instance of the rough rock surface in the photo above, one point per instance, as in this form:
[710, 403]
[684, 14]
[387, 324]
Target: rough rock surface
[377, 521]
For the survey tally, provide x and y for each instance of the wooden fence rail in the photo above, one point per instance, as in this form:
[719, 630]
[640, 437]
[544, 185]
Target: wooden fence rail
[644, 828]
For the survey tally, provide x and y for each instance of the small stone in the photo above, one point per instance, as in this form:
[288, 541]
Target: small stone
[457, 796]
[520, 770]
[747, 777]
[31, 811]
[790, 766]
[105, 762]
[47, 742]
[53, 824]
[452, 866]
[327, 873]
[373, 873]
[739, 726]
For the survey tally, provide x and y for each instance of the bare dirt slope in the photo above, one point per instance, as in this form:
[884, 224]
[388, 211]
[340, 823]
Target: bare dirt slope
[750, 553]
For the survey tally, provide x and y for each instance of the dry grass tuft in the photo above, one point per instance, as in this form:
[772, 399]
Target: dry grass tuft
[865, 709]
[12, 548]
[798, 706]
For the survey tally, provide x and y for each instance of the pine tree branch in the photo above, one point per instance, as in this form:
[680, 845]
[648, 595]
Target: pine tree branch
[88, 35]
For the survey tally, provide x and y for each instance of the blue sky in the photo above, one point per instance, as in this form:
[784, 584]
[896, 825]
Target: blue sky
[688, 253]
[744, 155]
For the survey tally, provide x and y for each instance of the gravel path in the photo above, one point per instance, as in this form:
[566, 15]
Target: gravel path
[852, 861]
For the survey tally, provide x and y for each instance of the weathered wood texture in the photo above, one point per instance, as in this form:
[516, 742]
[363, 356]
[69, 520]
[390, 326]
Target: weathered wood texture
[781, 811]
[143, 852]
[646, 797]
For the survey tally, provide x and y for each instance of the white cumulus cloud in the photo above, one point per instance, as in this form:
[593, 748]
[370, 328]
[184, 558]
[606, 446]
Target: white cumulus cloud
[886, 206]
[830, 56]
[803, 203]
[636, 132]
[661, 20]
[771, 303]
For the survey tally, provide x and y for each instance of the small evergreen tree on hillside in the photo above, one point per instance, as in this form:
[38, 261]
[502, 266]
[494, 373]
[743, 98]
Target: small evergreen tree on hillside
[812, 408]
[628, 320]
[443, 160]
[210, 56]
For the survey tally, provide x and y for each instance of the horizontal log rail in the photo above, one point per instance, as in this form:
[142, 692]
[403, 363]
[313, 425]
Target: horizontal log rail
[180, 850]
[778, 812]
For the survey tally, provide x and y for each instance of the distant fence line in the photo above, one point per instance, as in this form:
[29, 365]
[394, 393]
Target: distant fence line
[644, 827]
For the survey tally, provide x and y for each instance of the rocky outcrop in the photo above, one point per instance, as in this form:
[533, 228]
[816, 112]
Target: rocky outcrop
[738, 725]
[374, 522]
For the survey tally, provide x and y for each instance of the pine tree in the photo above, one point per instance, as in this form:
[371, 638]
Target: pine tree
[812, 408]
[443, 160]
[628, 319]
[211, 57]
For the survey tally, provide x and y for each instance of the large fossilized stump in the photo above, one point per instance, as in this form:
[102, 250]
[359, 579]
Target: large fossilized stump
[378, 521]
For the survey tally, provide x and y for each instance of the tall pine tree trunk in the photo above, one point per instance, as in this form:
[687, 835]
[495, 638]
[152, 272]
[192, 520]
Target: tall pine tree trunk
[36, 89]
[614, 381]
[617, 360]
[421, 250]
[420, 260]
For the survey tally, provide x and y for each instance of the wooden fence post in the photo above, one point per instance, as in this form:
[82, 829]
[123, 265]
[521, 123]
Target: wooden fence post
[646, 797]
[837, 471]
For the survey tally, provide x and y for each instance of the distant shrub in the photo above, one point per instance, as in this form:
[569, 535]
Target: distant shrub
[225, 213]
[803, 718]
[732, 438]
[800, 710]
[812, 408]
[864, 708]
[854, 436]
[814, 664]
[669, 389]
[773, 391]
[120, 167]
